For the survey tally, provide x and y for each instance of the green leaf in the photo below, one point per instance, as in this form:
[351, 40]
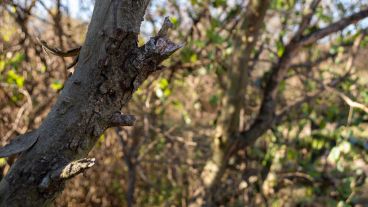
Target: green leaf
[317, 144]
[43, 68]
[2, 162]
[17, 59]
[14, 78]
[214, 100]
[214, 36]
[193, 58]
[342, 204]
[320, 15]
[167, 92]
[186, 117]
[280, 48]
[162, 88]
[2, 65]
[199, 43]
[174, 20]
[345, 147]
[334, 155]
[282, 86]
[306, 109]
[217, 3]
[187, 54]
[292, 154]
[56, 85]
[163, 83]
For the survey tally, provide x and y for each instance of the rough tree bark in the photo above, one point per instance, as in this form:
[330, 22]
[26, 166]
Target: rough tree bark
[111, 67]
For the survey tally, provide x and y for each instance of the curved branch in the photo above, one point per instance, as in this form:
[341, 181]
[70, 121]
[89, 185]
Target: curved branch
[266, 113]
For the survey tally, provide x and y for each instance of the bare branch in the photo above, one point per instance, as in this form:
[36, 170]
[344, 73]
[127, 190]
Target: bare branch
[319, 60]
[349, 101]
[306, 19]
[280, 117]
[55, 51]
[334, 27]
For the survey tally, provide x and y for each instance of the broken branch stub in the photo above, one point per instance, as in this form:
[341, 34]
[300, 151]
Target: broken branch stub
[119, 119]
[161, 46]
[66, 172]
[19, 144]
[165, 27]
[76, 167]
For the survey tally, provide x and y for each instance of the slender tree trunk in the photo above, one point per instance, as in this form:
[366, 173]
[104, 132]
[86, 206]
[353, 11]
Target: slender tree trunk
[129, 150]
[110, 68]
[232, 104]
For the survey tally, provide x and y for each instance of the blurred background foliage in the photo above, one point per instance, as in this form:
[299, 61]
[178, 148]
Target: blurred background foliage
[316, 155]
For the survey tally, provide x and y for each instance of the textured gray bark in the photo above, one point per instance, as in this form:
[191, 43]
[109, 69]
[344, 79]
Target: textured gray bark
[111, 67]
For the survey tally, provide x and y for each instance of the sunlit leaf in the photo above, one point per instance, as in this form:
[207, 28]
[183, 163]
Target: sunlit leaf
[14, 78]
[56, 85]
[174, 20]
[280, 48]
[2, 162]
[334, 155]
[2, 65]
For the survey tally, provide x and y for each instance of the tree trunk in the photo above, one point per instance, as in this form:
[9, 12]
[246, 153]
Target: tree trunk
[111, 67]
[233, 102]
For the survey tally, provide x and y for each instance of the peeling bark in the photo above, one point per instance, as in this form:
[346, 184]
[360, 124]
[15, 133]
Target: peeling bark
[111, 67]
